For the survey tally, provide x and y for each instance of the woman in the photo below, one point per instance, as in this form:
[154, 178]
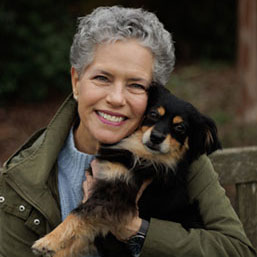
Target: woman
[116, 53]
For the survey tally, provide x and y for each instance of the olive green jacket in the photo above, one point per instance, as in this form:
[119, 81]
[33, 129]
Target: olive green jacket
[29, 203]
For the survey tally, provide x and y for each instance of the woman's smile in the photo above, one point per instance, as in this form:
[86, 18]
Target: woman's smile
[110, 118]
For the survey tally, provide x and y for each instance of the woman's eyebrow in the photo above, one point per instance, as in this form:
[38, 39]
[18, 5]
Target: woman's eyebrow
[139, 80]
[132, 79]
[104, 72]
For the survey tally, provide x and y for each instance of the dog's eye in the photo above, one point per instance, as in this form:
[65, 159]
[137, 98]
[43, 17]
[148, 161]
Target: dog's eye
[180, 128]
[153, 115]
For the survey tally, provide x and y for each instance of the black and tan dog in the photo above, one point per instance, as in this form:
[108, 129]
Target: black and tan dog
[172, 135]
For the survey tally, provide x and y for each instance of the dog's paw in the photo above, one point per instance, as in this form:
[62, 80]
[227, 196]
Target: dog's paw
[43, 247]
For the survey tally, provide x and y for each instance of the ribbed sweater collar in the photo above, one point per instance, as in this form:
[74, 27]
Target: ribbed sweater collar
[72, 165]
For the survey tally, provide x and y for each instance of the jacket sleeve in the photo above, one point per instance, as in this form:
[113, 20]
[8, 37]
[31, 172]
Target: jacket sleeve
[20, 223]
[223, 235]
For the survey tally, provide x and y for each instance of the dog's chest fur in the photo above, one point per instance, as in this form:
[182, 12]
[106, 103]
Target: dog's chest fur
[165, 198]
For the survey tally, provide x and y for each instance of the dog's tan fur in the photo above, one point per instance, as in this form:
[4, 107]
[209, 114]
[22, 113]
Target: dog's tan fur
[175, 153]
[177, 119]
[75, 236]
[111, 171]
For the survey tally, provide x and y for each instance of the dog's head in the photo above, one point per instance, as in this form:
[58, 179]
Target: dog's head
[171, 130]
[172, 124]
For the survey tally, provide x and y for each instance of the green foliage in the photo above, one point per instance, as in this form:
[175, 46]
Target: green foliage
[36, 35]
[35, 42]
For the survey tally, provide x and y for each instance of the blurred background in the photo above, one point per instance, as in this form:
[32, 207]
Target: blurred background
[216, 62]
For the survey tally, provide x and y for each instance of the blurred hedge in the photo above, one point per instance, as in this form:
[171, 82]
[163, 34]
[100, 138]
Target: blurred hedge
[35, 42]
[35, 37]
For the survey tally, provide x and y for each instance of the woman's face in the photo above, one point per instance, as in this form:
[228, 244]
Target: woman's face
[111, 93]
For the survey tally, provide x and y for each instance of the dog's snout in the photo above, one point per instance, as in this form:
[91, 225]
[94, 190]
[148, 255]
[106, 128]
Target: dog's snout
[157, 137]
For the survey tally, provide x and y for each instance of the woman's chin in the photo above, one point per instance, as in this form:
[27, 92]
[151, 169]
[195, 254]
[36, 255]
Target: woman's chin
[110, 139]
[109, 142]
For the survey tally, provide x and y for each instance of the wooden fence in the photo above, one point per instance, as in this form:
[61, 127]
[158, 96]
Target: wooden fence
[237, 168]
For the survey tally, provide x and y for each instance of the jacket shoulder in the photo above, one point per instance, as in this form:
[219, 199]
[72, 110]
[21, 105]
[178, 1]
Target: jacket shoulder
[28, 148]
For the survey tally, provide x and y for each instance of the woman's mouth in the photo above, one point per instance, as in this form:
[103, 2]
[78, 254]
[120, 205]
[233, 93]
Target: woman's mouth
[110, 119]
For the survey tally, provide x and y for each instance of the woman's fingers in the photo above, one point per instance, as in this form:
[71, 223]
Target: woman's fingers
[87, 186]
[94, 168]
[142, 188]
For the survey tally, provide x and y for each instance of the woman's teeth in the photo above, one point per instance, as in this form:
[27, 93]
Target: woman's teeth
[110, 117]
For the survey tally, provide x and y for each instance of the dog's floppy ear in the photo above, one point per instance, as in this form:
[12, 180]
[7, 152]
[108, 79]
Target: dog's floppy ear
[155, 93]
[211, 140]
[204, 138]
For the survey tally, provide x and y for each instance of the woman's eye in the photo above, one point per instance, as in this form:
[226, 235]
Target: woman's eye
[101, 78]
[137, 88]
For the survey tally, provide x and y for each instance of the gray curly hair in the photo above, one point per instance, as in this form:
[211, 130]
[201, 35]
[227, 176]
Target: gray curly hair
[109, 24]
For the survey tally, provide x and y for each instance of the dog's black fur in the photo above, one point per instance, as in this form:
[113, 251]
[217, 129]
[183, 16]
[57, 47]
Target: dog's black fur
[172, 135]
[166, 197]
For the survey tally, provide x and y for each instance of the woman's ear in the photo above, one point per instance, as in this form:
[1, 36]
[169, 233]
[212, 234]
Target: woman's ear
[75, 83]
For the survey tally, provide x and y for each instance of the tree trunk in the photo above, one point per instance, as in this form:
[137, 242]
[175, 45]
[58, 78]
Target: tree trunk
[247, 58]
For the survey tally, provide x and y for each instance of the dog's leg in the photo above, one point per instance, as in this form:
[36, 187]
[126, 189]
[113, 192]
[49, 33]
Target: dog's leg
[109, 208]
[73, 236]
[69, 251]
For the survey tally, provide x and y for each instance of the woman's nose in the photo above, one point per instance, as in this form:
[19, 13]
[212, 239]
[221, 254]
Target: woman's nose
[116, 95]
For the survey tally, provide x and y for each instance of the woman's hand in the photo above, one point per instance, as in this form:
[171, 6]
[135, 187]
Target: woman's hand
[134, 225]
[87, 186]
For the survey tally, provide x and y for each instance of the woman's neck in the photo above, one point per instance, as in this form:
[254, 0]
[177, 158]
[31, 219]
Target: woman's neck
[84, 142]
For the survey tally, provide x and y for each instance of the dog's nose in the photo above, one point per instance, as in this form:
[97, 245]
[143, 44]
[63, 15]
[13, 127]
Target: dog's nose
[157, 137]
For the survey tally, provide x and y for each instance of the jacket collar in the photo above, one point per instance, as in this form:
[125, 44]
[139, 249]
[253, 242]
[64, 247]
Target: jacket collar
[29, 176]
